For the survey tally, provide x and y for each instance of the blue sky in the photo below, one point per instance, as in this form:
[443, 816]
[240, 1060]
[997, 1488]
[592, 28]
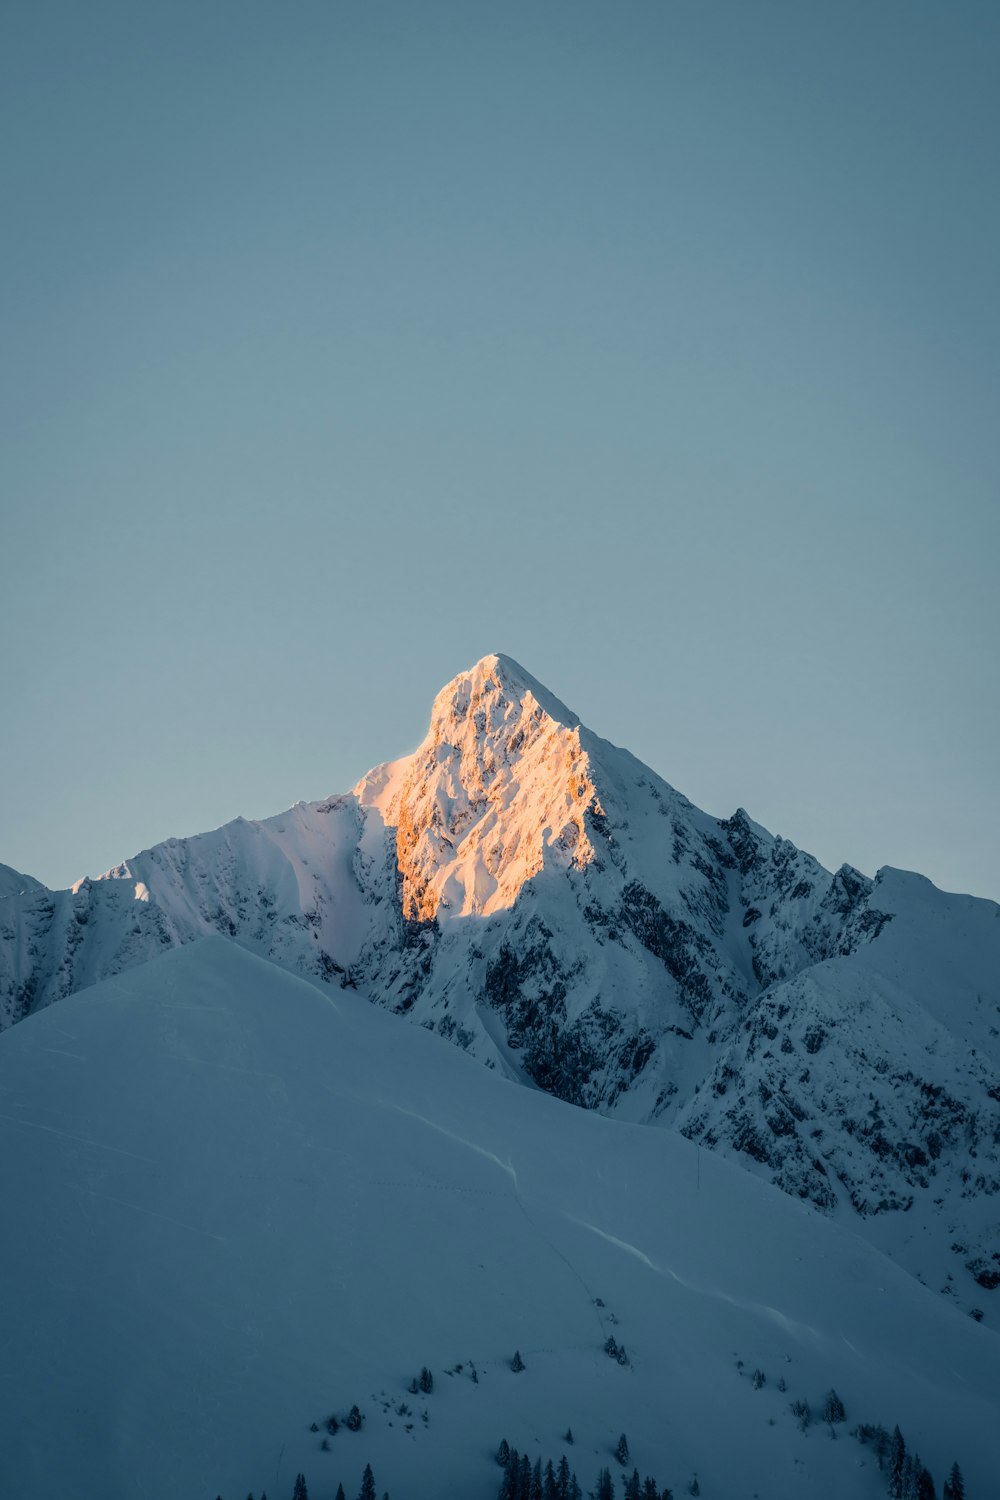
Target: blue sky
[656, 345]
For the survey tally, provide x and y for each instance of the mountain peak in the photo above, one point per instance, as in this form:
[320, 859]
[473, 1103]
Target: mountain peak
[508, 680]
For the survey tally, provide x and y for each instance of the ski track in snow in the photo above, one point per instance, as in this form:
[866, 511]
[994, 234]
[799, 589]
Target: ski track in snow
[150, 1212]
[801, 1331]
[458, 1139]
[84, 1140]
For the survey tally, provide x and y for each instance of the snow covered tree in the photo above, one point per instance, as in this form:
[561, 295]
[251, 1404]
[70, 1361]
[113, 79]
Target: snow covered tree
[833, 1408]
[954, 1485]
[340, 1493]
[563, 1479]
[694, 1488]
[367, 1490]
[503, 1453]
[332, 1424]
[426, 1380]
[802, 1414]
[354, 1420]
[510, 1484]
[621, 1452]
[300, 1492]
[925, 1485]
[897, 1464]
[517, 1363]
[550, 1489]
[568, 1435]
[633, 1487]
[758, 1379]
[605, 1486]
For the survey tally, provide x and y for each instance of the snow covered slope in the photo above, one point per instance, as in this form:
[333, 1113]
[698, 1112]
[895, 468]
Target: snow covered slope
[538, 896]
[238, 1204]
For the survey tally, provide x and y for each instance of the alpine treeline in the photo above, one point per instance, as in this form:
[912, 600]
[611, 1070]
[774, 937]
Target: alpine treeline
[522, 1481]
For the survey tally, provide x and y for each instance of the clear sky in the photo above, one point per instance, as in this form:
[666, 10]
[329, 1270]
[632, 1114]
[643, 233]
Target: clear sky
[656, 345]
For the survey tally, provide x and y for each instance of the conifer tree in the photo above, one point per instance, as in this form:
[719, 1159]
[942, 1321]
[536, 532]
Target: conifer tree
[897, 1463]
[550, 1490]
[300, 1492]
[503, 1453]
[340, 1493]
[621, 1452]
[833, 1408]
[568, 1436]
[367, 1490]
[633, 1487]
[524, 1478]
[649, 1490]
[426, 1380]
[562, 1479]
[510, 1484]
[354, 1419]
[535, 1492]
[517, 1363]
[954, 1485]
[925, 1485]
[605, 1486]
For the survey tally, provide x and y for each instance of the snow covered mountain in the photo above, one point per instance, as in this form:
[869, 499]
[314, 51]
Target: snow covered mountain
[538, 896]
[240, 1205]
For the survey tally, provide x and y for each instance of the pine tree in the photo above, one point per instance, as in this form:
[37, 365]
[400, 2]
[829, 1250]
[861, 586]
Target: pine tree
[897, 1463]
[562, 1479]
[954, 1485]
[354, 1419]
[550, 1490]
[300, 1492]
[535, 1492]
[605, 1486]
[833, 1408]
[925, 1485]
[911, 1474]
[694, 1488]
[367, 1490]
[633, 1487]
[649, 1490]
[332, 1425]
[426, 1380]
[621, 1452]
[510, 1484]
[568, 1437]
[517, 1363]
[340, 1493]
[503, 1453]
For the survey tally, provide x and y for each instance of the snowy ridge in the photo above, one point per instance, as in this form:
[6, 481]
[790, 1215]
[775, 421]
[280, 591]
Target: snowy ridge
[538, 896]
[265, 1202]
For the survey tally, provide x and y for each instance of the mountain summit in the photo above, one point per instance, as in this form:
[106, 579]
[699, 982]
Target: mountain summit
[539, 897]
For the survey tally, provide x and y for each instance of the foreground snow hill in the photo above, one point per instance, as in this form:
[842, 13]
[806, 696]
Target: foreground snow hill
[237, 1204]
[539, 897]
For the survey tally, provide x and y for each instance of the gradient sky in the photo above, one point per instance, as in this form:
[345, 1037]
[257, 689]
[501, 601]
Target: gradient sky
[656, 345]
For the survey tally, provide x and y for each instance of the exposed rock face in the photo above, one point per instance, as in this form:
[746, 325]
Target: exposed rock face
[550, 904]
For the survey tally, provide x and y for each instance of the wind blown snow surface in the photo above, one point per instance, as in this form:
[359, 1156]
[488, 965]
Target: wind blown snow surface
[237, 1204]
